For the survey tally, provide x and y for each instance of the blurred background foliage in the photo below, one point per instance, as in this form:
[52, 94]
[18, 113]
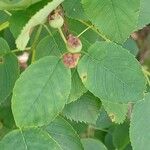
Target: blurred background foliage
[114, 136]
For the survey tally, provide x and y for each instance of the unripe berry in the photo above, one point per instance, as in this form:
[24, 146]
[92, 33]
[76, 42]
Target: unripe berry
[56, 20]
[74, 44]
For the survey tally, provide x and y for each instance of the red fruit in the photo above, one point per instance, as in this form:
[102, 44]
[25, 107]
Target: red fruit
[71, 60]
[74, 44]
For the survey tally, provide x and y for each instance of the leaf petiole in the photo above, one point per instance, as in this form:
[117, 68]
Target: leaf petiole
[4, 25]
[35, 43]
[85, 30]
[17, 50]
[62, 35]
[94, 29]
[7, 12]
[147, 75]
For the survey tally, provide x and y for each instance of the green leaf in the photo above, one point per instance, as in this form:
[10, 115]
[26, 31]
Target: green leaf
[16, 4]
[93, 144]
[80, 127]
[4, 47]
[77, 87]
[144, 18]
[131, 45]
[3, 17]
[111, 73]
[6, 117]
[116, 19]
[121, 136]
[9, 70]
[41, 92]
[7, 35]
[63, 133]
[117, 112]
[140, 124]
[103, 120]
[85, 109]
[39, 18]
[28, 139]
[73, 9]
[21, 17]
[128, 147]
[50, 45]
[7, 122]
[108, 141]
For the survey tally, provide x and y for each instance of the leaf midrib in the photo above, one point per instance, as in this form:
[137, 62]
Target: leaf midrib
[37, 98]
[97, 60]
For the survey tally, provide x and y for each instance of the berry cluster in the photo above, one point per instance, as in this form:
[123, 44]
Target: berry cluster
[73, 43]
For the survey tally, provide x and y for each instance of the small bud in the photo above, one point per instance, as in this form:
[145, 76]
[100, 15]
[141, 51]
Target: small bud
[23, 60]
[56, 20]
[74, 44]
[71, 60]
